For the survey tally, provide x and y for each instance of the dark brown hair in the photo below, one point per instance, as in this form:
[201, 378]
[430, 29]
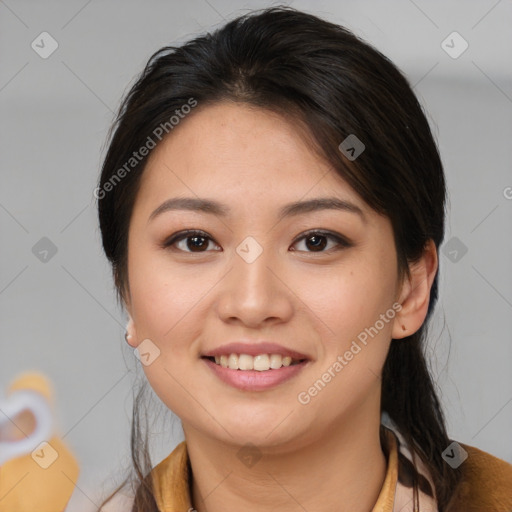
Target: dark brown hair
[335, 84]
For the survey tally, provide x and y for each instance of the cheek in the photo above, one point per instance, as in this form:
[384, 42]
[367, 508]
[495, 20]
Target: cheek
[355, 340]
[166, 305]
[351, 298]
[162, 295]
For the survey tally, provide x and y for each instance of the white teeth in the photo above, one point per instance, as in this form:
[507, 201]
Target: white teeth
[245, 362]
[276, 361]
[261, 362]
[233, 361]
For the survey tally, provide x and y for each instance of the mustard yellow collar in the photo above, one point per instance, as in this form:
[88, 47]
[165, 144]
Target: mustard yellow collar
[171, 480]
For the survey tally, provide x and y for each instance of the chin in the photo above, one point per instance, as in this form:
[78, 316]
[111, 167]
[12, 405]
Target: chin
[263, 434]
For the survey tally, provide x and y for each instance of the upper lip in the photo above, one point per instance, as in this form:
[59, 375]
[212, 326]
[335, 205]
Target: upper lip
[254, 349]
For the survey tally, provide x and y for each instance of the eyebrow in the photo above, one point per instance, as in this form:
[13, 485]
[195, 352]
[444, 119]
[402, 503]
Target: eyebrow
[292, 209]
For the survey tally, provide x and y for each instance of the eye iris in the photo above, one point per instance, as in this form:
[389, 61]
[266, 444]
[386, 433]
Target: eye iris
[195, 245]
[320, 241]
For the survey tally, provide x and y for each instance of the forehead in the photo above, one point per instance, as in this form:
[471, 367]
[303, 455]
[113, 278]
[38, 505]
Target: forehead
[241, 151]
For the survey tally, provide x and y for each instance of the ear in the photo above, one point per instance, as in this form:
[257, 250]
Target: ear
[415, 293]
[131, 333]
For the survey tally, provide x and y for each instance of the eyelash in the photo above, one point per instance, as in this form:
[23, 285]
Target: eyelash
[342, 242]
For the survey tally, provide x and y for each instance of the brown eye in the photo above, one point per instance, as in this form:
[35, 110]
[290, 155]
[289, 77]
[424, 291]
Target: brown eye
[189, 241]
[194, 241]
[316, 241]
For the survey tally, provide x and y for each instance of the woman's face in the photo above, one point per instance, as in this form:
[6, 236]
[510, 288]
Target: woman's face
[256, 277]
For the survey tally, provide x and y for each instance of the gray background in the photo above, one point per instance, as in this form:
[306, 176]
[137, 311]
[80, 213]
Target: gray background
[60, 316]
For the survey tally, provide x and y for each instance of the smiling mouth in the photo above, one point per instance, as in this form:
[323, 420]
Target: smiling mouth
[261, 362]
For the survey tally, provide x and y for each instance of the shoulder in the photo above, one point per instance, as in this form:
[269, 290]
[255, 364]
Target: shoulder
[486, 483]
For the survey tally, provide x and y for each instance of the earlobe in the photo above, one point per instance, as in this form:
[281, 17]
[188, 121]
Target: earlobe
[130, 335]
[415, 294]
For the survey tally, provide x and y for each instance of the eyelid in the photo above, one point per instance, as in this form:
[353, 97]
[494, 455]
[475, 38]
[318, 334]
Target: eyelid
[180, 235]
[342, 241]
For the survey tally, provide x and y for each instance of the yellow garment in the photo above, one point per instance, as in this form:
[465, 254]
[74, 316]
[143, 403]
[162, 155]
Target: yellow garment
[486, 485]
[27, 485]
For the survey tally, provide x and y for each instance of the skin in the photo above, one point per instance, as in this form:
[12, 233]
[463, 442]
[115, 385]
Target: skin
[317, 302]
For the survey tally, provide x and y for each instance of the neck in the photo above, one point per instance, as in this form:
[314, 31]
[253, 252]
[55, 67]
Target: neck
[345, 466]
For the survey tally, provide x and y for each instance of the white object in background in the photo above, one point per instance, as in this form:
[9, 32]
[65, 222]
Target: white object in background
[17, 402]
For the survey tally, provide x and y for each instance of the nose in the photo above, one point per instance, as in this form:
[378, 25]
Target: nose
[255, 292]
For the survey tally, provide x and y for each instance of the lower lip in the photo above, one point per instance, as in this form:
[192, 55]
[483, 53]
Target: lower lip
[254, 380]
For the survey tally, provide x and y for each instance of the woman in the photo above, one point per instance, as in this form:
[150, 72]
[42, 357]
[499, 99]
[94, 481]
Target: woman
[272, 204]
